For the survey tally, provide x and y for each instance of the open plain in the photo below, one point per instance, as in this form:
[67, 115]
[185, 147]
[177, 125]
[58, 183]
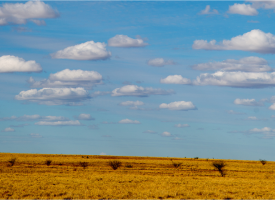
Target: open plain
[89, 176]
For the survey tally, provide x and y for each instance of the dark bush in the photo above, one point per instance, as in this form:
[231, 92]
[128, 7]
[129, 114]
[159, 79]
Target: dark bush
[84, 164]
[263, 161]
[176, 165]
[48, 162]
[129, 166]
[114, 164]
[219, 165]
[12, 161]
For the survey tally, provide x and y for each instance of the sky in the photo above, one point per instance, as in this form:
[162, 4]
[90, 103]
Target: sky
[146, 78]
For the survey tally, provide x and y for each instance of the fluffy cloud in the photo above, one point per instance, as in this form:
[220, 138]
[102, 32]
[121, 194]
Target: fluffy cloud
[237, 79]
[182, 125]
[175, 79]
[131, 103]
[84, 116]
[263, 4]
[242, 9]
[19, 13]
[247, 102]
[254, 41]
[69, 78]
[128, 121]
[207, 11]
[55, 96]
[125, 41]
[252, 118]
[59, 123]
[160, 62]
[272, 107]
[266, 132]
[134, 90]
[247, 64]
[8, 130]
[232, 112]
[166, 134]
[10, 63]
[84, 51]
[149, 131]
[178, 105]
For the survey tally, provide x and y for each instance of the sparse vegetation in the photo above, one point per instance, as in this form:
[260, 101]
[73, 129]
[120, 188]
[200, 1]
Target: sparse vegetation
[263, 161]
[11, 161]
[196, 158]
[219, 165]
[48, 162]
[84, 164]
[129, 166]
[114, 164]
[176, 165]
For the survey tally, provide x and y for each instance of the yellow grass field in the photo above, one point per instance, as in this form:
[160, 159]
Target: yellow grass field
[148, 178]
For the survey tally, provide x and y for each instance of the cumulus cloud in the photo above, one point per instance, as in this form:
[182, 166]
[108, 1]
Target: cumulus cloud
[55, 96]
[182, 125]
[242, 9]
[253, 41]
[247, 64]
[133, 104]
[84, 116]
[266, 132]
[19, 13]
[8, 130]
[232, 112]
[247, 102]
[166, 134]
[160, 62]
[59, 123]
[125, 41]
[10, 63]
[175, 79]
[35, 135]
[128, 121]
[34, 117]
[85, 51]
[179, 105]
[237, 79]
[69, 78]
[272, 107]
[263, 4]
[207, 11]
[134, 90]
[102, 154]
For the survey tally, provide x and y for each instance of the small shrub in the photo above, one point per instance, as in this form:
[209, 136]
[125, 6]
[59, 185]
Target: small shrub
[84, 164]
[129, 166]
[196, 158]
[48, 162]
[176, 165]
[219, 165]
[114, 164]
[12, 161]
[263, 161]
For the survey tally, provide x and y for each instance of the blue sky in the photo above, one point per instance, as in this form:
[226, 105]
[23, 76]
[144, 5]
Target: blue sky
[177, 79]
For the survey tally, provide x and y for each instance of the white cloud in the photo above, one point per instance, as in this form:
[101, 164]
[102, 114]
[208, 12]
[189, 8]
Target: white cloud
[10, 63]
[175, 79]
[131, 103]
[263, 4]
[34, 117]
[182, 125]
[247, 64]
[160, 62]
[128, 121]
[149, 131]
[84, 51]
[166, 134]
[272, 107]
[84, 116]
[125, 41]
[8, 130]
[19, 13]
[266, 132]
[178, 105]
[134, 90]
[242, 9]
[59, 123]
[69, 78]
[237, 79]
[207, 11]
[38, 22]
[254, 41]
[102, 154]
[55, 96]
[232, 112]
[247, 102]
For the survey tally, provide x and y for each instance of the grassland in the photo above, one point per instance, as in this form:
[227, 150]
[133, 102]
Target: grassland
[148, 178]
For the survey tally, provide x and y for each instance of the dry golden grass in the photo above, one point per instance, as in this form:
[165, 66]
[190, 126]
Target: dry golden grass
[148, 178]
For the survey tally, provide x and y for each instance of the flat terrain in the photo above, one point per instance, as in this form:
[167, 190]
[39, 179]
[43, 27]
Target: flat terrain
[137, 178]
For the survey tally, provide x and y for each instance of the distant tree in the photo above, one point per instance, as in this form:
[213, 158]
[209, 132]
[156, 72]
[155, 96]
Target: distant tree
[219, 165]
[84, 164]
[12, 161]
[48, 162]
[263, 161]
